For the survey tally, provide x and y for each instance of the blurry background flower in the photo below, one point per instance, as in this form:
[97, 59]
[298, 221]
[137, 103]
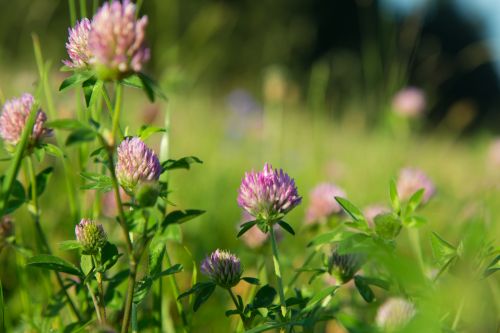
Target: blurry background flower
[223, 268]
[136, 164]
[14, 116]
[117, 40]
[372, 211]
[90, 235]
[411, 180]
[77, 45]
[494, 153]
[268, 194]
[394, 314]
[245, 116]
[409, 102]
[322, 203]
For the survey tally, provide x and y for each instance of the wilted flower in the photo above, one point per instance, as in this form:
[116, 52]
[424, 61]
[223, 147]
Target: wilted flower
[372, 211]
[90, 235]
[344, 266]
[268, 194]
[77, 45]
[394, 314]
[409, 102]
[136, 164]
[116, 40]
[223, 267]
[411, 180]
[15, 114]
[6, 231]
[322, 204]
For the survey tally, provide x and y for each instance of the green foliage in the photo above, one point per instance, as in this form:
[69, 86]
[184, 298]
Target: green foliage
[50, 262]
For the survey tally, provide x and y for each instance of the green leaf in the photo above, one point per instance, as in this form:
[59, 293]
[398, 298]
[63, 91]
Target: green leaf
[319, 297]
[156, 253]
[75, 79]
[251, 280]
[202, 295]
[146, 131]
[364, 289]
[414, 221]
[53, 150]
[334, 236]
[271, 326]
[142, 289]
[350, 209]
[67, 124]
[393, 192]
[177, 268]
[387, 226]
[173, 233]
[54, 263]
[183, 163]
[286, 227]
[90, 86]
[245, 227]
[415, 201]
[96, 181]
[86, 264]
[80, 135]
[109, 256]
[493, 266]
[264, 297]
[441, 249]
[41, 182]
[148, 85]
[181, 216]
[17, 190]
[70, 245]
[377, 282]
[229, 313]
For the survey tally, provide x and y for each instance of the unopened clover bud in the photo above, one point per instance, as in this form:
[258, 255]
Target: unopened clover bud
[77, 45]
[387, 226]
[91, 236]
[117, 40]
[268, 195]
[15, 114]
[322, 203]
[6, 231]
[223, 268]
[147, 193]
[394, 314]
[344, 266]
[137, 164]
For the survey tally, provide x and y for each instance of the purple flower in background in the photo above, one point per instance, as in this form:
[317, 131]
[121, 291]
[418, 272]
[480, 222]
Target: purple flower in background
[494, 153]
[322, 203]
[136, 164]
[409, 102]
[77, 45]
[223, 268]
[372, 211]
[90, 235]
[117, 40]
[269, 194]
[15, 114]
[411, 180]
[394, 314]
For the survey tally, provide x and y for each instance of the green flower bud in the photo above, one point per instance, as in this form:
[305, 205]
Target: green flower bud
[91, 236]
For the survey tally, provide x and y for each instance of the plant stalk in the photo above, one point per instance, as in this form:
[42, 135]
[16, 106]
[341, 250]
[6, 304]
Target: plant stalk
[235, 301]
[277, 271]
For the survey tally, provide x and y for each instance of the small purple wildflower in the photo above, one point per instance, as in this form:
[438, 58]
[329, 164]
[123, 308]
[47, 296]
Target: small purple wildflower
[117, 40]
[77, 45]
[15, 114]
[268, 194]
[136, 164]
[90, 235]
[409, 102]
[322, 204]
[394, 314]
[223, 268]
[411, 180]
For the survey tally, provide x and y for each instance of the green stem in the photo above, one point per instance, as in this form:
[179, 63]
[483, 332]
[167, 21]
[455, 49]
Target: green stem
[458, 314]
[100, 303]
[83, 8]
[176, 292]
[414, 235]
[299, 272]
[41, 234]
[277, 271]
[72, 12]
[95, 302]
[117, 110]
[235, 301]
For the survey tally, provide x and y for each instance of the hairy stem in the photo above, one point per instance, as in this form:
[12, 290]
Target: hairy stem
[277, 271]
[100, 289]
[117, 110]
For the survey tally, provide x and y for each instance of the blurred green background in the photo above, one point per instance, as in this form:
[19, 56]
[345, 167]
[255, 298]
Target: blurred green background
[305, 85]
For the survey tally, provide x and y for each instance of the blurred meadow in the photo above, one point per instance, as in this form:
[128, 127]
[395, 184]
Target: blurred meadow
[308, 86]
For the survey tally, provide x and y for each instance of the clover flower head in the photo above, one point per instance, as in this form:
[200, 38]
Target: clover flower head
[137, 164]
[394, 314]
[90, 235]
[223, 268]
[322, 203]
[411, 180]
[117, 40]
[269, 194]
[344, 266]
[15, 114]
[77, 45]
[409, 102]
